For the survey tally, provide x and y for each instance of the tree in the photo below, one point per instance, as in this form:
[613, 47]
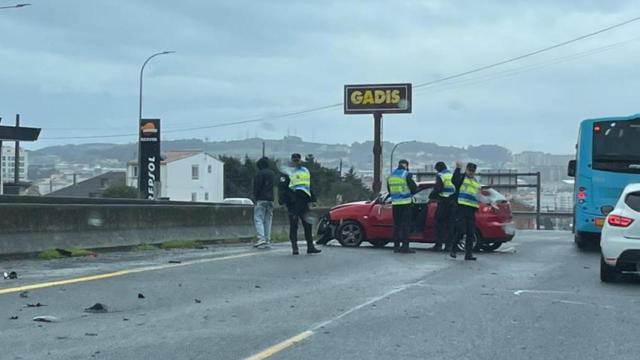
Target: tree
[325, 182]
[120, 192]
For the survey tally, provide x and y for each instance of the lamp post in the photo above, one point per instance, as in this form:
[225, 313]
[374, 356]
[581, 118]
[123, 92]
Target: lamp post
[393, 150]
[142, 72]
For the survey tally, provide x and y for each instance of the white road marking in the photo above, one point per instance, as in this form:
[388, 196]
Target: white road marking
[520, 292]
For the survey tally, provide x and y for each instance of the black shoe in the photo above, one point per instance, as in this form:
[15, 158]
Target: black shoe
[453, 255]
[295, 252]
[407, 251]
[470, 257]
[313, 251]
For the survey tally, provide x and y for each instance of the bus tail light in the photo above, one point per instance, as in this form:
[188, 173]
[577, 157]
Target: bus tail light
[582, 195]
[619, 221]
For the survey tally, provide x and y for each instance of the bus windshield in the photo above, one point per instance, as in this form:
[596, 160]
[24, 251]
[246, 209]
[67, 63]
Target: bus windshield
[616, 146]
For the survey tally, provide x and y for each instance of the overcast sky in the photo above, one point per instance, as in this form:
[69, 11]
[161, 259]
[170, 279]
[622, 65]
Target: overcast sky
[72, 67]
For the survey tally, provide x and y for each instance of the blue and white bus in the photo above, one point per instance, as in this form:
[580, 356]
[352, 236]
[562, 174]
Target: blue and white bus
[607, 159]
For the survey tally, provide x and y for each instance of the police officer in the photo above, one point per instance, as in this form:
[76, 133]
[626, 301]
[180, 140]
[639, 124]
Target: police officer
[297, 197]
[468, 188]
[444, 193]
[401, 186]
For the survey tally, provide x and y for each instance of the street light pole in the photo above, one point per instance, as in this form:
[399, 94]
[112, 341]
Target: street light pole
[142, 72]
[394, 150]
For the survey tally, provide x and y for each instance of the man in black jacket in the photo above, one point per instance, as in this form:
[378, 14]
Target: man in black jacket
[263, 195]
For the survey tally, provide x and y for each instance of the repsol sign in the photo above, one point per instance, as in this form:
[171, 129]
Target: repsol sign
[382, 98]
[149, 158]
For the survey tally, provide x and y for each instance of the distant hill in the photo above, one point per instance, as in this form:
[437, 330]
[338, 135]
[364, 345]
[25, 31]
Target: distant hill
[356, 154]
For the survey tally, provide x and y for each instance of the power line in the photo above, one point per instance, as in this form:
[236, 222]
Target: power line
[520, 57]
[421, 85]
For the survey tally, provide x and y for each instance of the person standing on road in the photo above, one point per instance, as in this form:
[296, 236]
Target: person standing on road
[263, 211]
[444, 192]
[468, 188]
[298, 196]
[401, 187]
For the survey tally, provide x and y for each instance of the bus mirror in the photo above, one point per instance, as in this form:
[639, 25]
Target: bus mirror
[571, 171]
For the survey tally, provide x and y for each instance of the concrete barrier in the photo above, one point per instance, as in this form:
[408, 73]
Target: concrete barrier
[32, 227]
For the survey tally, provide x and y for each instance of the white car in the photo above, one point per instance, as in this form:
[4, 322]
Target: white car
[238, 201]
[620, 241]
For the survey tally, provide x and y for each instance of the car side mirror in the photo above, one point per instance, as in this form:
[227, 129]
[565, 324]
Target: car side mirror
[571, 170]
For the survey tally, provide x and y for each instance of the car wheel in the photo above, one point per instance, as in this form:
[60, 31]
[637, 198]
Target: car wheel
[490, 246]
[379, 243]
[608, 273]
[462, 243]
[350, 234]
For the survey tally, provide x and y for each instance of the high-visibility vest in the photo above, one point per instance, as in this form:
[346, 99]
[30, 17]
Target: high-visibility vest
[448, 188]
[469, 190]
[399, 188]
[300, 179]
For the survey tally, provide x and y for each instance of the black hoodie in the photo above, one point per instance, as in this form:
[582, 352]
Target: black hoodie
[263, 182]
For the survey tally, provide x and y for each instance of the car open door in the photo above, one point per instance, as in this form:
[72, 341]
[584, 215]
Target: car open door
[381, 218]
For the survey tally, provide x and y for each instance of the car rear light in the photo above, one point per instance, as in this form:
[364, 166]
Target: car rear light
[619, 221]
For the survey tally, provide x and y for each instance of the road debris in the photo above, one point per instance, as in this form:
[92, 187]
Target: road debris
[198, 301]
[45, 318]
[24, 294]
[140, 296]
[90, 334]
[10, 275]
[14, 318]
[175, 262]
[35, 305]
[97, 308]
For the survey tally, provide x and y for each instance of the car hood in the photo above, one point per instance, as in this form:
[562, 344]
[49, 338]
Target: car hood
[351, 204]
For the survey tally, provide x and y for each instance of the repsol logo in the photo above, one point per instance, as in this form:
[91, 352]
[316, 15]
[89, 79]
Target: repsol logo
[151, 178]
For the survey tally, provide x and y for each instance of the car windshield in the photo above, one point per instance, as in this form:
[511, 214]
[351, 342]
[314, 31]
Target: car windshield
[491, 196]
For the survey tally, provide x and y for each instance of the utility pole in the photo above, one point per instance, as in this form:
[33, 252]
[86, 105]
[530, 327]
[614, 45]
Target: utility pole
[16, 163]
[263, 149]
[377, 152]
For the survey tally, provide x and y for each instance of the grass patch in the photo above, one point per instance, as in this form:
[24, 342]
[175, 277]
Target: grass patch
[181, 244]
[55, 254]
[145, 247]
[49, 254]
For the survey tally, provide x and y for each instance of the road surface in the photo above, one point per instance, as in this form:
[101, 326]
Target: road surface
[538, 298]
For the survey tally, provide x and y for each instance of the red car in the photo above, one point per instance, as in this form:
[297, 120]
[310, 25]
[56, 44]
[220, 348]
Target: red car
[372, 221]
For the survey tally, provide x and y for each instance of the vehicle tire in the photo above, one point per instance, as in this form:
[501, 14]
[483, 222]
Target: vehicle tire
[490, 246]
[350, 234]
[379, 243]
[461, 242]
[608, 273]
[580, 241]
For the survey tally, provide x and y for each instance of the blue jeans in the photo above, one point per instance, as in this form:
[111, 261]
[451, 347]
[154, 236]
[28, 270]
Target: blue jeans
[262, 218]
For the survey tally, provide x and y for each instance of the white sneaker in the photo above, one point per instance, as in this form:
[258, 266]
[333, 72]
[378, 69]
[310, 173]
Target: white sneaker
[259, 243]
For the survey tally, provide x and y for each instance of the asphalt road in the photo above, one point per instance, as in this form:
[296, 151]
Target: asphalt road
[539, 298]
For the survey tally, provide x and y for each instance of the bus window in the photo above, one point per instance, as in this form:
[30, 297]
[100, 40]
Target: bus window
[616, 147]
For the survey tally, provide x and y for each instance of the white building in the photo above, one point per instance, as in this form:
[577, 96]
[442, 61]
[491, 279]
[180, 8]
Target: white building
[187, 176]
[8, 163]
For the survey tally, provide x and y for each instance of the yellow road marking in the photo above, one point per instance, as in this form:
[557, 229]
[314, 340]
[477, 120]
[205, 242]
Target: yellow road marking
[120, 273]
[268, 352]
